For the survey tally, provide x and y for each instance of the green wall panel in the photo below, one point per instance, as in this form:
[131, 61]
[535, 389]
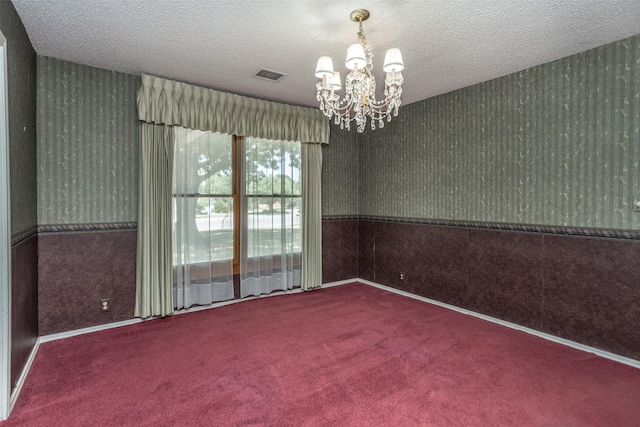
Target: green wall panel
[87, 144]
[556, 144]
[340, 174]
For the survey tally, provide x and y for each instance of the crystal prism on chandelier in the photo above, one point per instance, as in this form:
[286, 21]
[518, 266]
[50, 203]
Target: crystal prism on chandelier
[359, 102]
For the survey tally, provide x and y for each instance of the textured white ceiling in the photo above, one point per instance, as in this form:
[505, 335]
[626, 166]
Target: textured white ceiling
[446, 44]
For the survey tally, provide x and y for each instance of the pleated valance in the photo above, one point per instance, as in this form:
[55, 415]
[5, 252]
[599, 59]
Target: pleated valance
[168, 102]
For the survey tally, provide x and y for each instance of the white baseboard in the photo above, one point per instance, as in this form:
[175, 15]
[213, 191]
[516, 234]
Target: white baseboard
[23, 375]
[62, 335]
[340, 282]
[602, 353]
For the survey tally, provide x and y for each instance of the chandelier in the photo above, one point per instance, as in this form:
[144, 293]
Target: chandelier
[359, 101]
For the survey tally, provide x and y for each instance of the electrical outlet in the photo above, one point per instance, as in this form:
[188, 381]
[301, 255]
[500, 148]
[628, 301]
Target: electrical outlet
[401, 276]
[105, 304]
[636, 204]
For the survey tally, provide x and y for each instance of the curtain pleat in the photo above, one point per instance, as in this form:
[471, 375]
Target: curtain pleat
[169, 102]
[153, 267]
[311, 216]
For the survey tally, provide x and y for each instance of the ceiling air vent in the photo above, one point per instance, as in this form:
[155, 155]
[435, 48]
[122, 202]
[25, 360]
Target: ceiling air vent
[272, 76]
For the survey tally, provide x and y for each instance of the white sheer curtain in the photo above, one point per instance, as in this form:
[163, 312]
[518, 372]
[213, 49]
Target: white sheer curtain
[271, 235]
[202, 218]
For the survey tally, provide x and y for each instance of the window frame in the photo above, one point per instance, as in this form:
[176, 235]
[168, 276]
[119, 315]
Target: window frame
[238, 199]
[237, 145]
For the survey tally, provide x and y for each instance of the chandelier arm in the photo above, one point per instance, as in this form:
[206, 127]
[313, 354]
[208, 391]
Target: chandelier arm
[341, 111]
[336, 104]
[337, 109]
[382, 103]
[348, 101]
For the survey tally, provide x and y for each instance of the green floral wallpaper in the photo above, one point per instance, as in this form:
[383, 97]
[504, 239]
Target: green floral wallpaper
[556, 144]
[340, 174]
[87, 144]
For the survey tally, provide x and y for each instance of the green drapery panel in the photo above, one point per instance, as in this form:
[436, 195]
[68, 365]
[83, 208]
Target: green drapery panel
[311, 216]
[154, 294]
[169, 102]
[164, 103]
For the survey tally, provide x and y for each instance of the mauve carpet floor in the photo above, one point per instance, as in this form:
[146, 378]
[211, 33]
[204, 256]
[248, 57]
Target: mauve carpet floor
[348, 355]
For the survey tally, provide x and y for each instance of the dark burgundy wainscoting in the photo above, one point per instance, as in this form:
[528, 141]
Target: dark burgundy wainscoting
[505, 276]
[581, 288]
[339, 250]
[442, 273]
[592, 292]
[24, 303]
[366, 250]
[77, 270]
[432, 259]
